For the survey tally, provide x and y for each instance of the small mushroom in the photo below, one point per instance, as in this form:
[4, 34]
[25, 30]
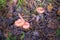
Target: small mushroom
[19, 22]
[26, 25]
[40, 10]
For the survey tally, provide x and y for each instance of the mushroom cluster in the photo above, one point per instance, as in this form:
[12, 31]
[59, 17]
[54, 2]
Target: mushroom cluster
[22, 23]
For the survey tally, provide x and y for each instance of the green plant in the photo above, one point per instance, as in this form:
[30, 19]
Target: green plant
[3, 7]
[20, 2]
[9, 35]
[58, 32]
[10, 38]
[23, 35]
[13, 38]
[2, 3]
[50, 1]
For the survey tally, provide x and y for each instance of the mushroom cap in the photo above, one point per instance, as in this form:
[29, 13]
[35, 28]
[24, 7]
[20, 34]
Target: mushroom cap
[26, 25]
[19, 22]
[40, 10]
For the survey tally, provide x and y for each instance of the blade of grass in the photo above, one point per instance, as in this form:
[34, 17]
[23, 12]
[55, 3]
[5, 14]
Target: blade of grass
[23, 35]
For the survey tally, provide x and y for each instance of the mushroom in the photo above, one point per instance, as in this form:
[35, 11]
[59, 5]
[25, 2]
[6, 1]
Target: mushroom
[26, 25]
[22, 23]
[19, 22]
[40, 10]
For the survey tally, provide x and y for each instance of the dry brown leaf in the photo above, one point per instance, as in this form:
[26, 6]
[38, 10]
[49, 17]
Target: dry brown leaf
[58, 12]
[49, 7]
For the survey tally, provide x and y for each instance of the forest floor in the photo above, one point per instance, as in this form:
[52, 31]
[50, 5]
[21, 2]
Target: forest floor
[44, 25]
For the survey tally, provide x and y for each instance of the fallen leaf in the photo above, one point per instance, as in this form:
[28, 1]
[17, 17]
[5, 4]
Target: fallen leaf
[58, 12]
[49, 7]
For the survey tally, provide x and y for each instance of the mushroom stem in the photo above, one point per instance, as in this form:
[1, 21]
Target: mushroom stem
[42, 17]
[20, 16]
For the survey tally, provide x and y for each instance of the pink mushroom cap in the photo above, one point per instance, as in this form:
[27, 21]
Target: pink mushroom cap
[19, 22]
[40, 10]
[26, 25]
